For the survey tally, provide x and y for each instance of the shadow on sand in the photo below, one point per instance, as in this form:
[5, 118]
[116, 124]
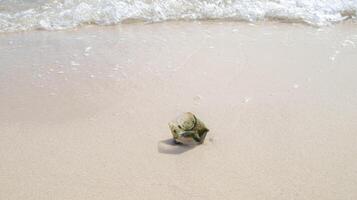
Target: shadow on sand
[168, 146]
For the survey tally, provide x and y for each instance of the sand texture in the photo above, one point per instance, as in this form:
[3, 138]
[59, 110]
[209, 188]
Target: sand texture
[84, 113]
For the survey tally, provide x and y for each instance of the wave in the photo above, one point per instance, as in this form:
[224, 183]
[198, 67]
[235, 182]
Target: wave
[64, 14]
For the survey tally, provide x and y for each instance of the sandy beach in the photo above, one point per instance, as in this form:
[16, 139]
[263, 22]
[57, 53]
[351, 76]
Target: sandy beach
[84, 112]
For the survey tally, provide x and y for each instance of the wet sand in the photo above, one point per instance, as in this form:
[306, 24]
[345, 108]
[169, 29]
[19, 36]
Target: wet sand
[84, 113]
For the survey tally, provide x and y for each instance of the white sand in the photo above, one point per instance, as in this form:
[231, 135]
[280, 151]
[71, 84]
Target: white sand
[83, 113]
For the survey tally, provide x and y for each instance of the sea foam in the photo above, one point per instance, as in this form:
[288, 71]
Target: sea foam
[64, 14]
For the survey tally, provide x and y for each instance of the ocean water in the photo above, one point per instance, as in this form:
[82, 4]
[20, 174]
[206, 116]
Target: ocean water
[20, 15]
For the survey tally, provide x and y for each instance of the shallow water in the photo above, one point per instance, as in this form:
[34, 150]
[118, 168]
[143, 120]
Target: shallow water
[19, 15]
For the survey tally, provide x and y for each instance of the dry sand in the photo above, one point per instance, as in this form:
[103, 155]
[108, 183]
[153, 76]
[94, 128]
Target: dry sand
[84, 113]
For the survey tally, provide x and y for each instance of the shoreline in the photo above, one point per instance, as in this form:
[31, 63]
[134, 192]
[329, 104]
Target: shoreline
[266, 22]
